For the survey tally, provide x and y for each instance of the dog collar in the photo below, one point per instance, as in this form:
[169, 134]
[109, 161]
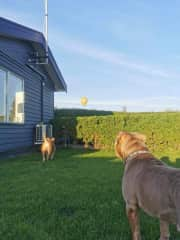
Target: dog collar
[132, 155]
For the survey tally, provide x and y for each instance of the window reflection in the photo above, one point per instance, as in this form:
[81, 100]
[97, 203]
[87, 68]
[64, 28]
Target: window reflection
[11, 98]
[15, 99]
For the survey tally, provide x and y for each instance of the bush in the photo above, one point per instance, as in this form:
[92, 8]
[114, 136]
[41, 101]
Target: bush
[80, 112]
[162, 129]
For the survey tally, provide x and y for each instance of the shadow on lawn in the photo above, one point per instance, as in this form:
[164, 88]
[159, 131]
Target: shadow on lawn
[94, 155]
[169, 161]
[95, 162]
[109, 156]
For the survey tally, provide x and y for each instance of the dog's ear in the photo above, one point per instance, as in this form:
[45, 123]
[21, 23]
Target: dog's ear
[139, 136]
[53, 139]
[121, 136]
[117, 144]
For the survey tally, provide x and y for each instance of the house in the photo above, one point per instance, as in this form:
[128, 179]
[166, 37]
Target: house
[27, 85]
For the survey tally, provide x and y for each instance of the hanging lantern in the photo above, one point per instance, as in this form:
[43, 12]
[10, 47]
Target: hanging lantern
[84, 101]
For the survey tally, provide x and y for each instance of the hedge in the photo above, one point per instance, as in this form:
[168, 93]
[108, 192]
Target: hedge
[75, 112]
[162, 129]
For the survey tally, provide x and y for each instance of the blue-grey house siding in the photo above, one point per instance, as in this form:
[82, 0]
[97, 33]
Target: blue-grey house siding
[14, 54]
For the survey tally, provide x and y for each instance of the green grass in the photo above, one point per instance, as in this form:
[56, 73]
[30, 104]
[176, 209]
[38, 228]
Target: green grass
[76, 196]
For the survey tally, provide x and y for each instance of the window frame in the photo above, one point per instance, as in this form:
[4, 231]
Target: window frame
[7, 72]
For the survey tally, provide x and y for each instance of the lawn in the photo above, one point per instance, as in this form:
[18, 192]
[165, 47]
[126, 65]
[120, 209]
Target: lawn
[76, 196]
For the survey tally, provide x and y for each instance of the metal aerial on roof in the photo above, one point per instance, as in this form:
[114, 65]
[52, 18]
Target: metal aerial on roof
[36, 58]
[41, 52]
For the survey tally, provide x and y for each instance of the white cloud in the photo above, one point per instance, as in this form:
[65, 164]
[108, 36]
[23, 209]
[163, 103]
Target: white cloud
[60, 40]
[79, 47]
[116, 58]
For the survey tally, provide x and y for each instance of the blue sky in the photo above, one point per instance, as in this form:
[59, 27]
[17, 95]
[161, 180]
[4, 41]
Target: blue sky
[116, 53]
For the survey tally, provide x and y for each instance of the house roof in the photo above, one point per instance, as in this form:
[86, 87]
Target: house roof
[36, 39]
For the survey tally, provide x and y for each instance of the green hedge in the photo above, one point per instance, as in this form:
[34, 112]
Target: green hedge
[162, 129]
[74, 112]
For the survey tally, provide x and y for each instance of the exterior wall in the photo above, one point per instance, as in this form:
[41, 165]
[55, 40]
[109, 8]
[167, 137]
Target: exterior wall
[18, 50]
[48, 101]
[13, 57]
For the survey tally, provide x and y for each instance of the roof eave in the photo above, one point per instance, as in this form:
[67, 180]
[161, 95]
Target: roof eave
[17, 31]
[61, 84]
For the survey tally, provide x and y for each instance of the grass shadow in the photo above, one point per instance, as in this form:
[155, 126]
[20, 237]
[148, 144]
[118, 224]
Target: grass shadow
[175, 162]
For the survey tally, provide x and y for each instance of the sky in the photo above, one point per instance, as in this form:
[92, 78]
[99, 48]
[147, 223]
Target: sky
[119, 54]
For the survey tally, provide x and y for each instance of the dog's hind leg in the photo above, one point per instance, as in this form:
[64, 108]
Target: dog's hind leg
[164, 230]
[52, 156]
[53, 153]
[178, 220]
[132, 214]
[48, 156]
[43, 156]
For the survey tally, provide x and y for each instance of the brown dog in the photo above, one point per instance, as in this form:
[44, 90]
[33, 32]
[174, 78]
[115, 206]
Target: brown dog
[48, 149]
[148, 183]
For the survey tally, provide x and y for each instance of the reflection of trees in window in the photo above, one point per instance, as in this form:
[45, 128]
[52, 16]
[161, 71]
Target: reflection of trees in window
[12, 112]
[12, 97]
[15, 86]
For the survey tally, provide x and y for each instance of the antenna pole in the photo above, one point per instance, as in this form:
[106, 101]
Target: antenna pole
[46, 28]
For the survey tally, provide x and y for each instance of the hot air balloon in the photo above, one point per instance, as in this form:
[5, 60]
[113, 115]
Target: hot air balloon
[84, 101]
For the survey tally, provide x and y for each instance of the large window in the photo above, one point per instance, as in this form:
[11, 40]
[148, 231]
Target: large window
[11, 98]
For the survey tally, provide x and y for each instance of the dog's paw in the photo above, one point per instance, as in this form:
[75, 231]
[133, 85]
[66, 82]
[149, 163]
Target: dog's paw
[178, 227]
[164, 238]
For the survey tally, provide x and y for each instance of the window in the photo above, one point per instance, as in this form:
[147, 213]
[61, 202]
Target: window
[11, 98]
